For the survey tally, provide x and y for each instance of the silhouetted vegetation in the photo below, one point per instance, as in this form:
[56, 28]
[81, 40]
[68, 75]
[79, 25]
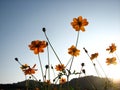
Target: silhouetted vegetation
[83, 83]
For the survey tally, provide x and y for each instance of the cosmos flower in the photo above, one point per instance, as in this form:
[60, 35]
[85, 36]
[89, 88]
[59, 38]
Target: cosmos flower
[79, 23]
[48, 81]
[25, 66]
[93, 56]
[73, 51]
[28, 70]
[37, 88]
[111, 48]
[38, 46]
[62, 80]
[60, 67]
[111, 60]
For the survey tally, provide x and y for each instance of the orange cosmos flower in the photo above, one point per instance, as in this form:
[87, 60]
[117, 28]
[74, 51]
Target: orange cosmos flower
[73, 51]
[93, 56]
[111, 60]
[25, 66]
[38, 46]
[28, 70]
[62, 80]
[48, 81]
[37, 88]
[60, 67]
[79, 23]
[111, 48]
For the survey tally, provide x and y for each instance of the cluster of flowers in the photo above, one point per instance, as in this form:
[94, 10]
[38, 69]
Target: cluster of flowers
[38, 46]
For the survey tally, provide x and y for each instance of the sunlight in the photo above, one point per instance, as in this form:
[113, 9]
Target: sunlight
[114, 72]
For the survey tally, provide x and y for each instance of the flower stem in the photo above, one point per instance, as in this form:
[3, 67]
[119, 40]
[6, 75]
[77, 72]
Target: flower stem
[93, 86]
[48, 63]
[117, 57]
[91, 61]
[34, 77]
[80, 71]
[68, 61]
[41, 66]
[52, 47]
[71, 63]
[16, 59]
[102, 68]
[77, 39]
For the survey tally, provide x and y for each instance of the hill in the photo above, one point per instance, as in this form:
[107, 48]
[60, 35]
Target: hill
[83, 83]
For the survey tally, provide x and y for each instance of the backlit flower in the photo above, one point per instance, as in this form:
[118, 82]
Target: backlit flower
[37, 88]
[73, 51]
[111, 60]
[28, 70]
[111, 48]
[79, 23]
[38, 46]
[60, 67]
[93, 56]
[48, 81]
[62, 80]
[25, 66]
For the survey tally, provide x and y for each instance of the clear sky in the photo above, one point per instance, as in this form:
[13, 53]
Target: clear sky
[21, 21]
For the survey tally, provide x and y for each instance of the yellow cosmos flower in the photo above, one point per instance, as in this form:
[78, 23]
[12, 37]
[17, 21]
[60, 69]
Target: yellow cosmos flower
[111, 60]
[111, 48]
[38, 46]
[93, 56]
[79, 23]
[62, 80]
[60, 67]
[73, 51]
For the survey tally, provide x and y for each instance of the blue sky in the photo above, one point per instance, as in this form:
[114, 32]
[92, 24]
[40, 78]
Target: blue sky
[21, 21]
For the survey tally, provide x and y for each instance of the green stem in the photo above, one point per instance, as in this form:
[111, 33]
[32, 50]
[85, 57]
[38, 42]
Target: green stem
[96, 69]
[93, 86]
[34, 77]
[41, 66]
[52, 48]
[73, 56]
[68, 61]
[48, 63]
[80, 71]
[102, 68]
[91, 61]
[71, 63]
[117, 57]
[77, 39]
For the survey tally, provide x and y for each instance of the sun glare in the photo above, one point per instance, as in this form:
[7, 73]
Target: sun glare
[114, 72]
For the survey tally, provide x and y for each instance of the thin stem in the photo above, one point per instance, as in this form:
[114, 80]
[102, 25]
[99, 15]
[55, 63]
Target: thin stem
[53, 70]
[71, 63]
[95, 68]
[34, 77]
[77, 39]
[80, 70]
[68, 61]
[117, 57]
[16, 59]
[91, 61]
[93, 86]
[52, 48]
[70, 69]
[73, 56]
[48, 63]
[101, 68]
[41, 66]
[45, 74]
